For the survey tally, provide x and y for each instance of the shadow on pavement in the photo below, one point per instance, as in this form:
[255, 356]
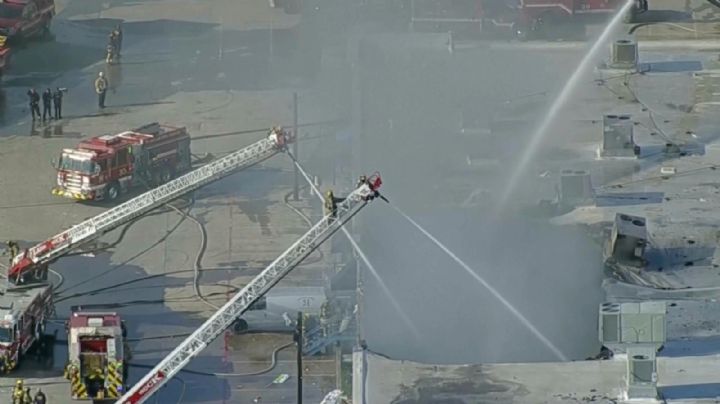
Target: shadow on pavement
[690, 391]
[50, 57]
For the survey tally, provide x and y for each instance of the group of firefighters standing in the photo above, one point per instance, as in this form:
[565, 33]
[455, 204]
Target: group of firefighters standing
[54, 99]
[21, 395]
[49, 99]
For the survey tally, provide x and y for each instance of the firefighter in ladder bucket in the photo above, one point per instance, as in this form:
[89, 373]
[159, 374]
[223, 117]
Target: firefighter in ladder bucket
[279, 136]
[331, 204]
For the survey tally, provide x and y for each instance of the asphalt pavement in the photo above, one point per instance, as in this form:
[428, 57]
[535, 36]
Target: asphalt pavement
[195, 65]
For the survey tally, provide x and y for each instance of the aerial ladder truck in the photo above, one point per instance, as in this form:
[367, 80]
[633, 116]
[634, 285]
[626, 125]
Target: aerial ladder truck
[337, 214]
[31, 265]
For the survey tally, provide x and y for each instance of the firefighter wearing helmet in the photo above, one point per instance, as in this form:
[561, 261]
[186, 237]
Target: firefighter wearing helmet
[331, 204]
[18, 392]
[362, 181]
[13, 249]
[277, 134]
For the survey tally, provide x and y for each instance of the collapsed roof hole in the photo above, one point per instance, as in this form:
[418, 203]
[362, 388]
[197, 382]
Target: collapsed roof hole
[638, 222]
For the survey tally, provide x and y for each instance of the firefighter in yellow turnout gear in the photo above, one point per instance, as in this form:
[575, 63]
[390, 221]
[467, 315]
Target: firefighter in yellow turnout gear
[13, 249]
[331, 204]
[96, 381]
[18, 392]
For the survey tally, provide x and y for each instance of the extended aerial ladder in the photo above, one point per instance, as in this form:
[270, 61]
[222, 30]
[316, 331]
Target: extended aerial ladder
[31, 264]
[261, 284]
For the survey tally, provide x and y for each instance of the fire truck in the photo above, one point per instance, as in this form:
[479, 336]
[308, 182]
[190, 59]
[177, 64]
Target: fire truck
[24, 19]
[97, 355]
[31, 264]
[526, 18]
[23, 312]
[104, 167]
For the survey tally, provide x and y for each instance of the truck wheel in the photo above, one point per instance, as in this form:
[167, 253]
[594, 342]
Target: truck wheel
[112, 192]
[240, 326]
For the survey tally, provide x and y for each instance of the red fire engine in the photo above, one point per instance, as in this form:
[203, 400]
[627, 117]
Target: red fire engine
[104, 167]
[23, 312]
[529, 18]
[525, 17]
[97, 355]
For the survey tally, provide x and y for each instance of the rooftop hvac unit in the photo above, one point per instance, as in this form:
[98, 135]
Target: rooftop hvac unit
[632, 323]
[618, 138]
[642, 373]
[575, 187]
[624, 54]
[609, 326]
[628, 240]
[643, 323]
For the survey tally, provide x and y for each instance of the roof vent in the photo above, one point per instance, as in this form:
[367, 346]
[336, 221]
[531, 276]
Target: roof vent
[575, 187]
[618, 138]
[641, 373]
[624, 54]
[628, 240]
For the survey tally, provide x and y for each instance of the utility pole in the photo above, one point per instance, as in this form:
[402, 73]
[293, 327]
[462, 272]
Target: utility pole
[296, 196]
[298, 337]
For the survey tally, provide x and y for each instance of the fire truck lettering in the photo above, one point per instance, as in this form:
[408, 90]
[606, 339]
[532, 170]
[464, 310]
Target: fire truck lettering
[150, 384]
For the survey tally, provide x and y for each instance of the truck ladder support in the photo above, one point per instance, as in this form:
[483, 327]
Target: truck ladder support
[239, 303]
[93, 228]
